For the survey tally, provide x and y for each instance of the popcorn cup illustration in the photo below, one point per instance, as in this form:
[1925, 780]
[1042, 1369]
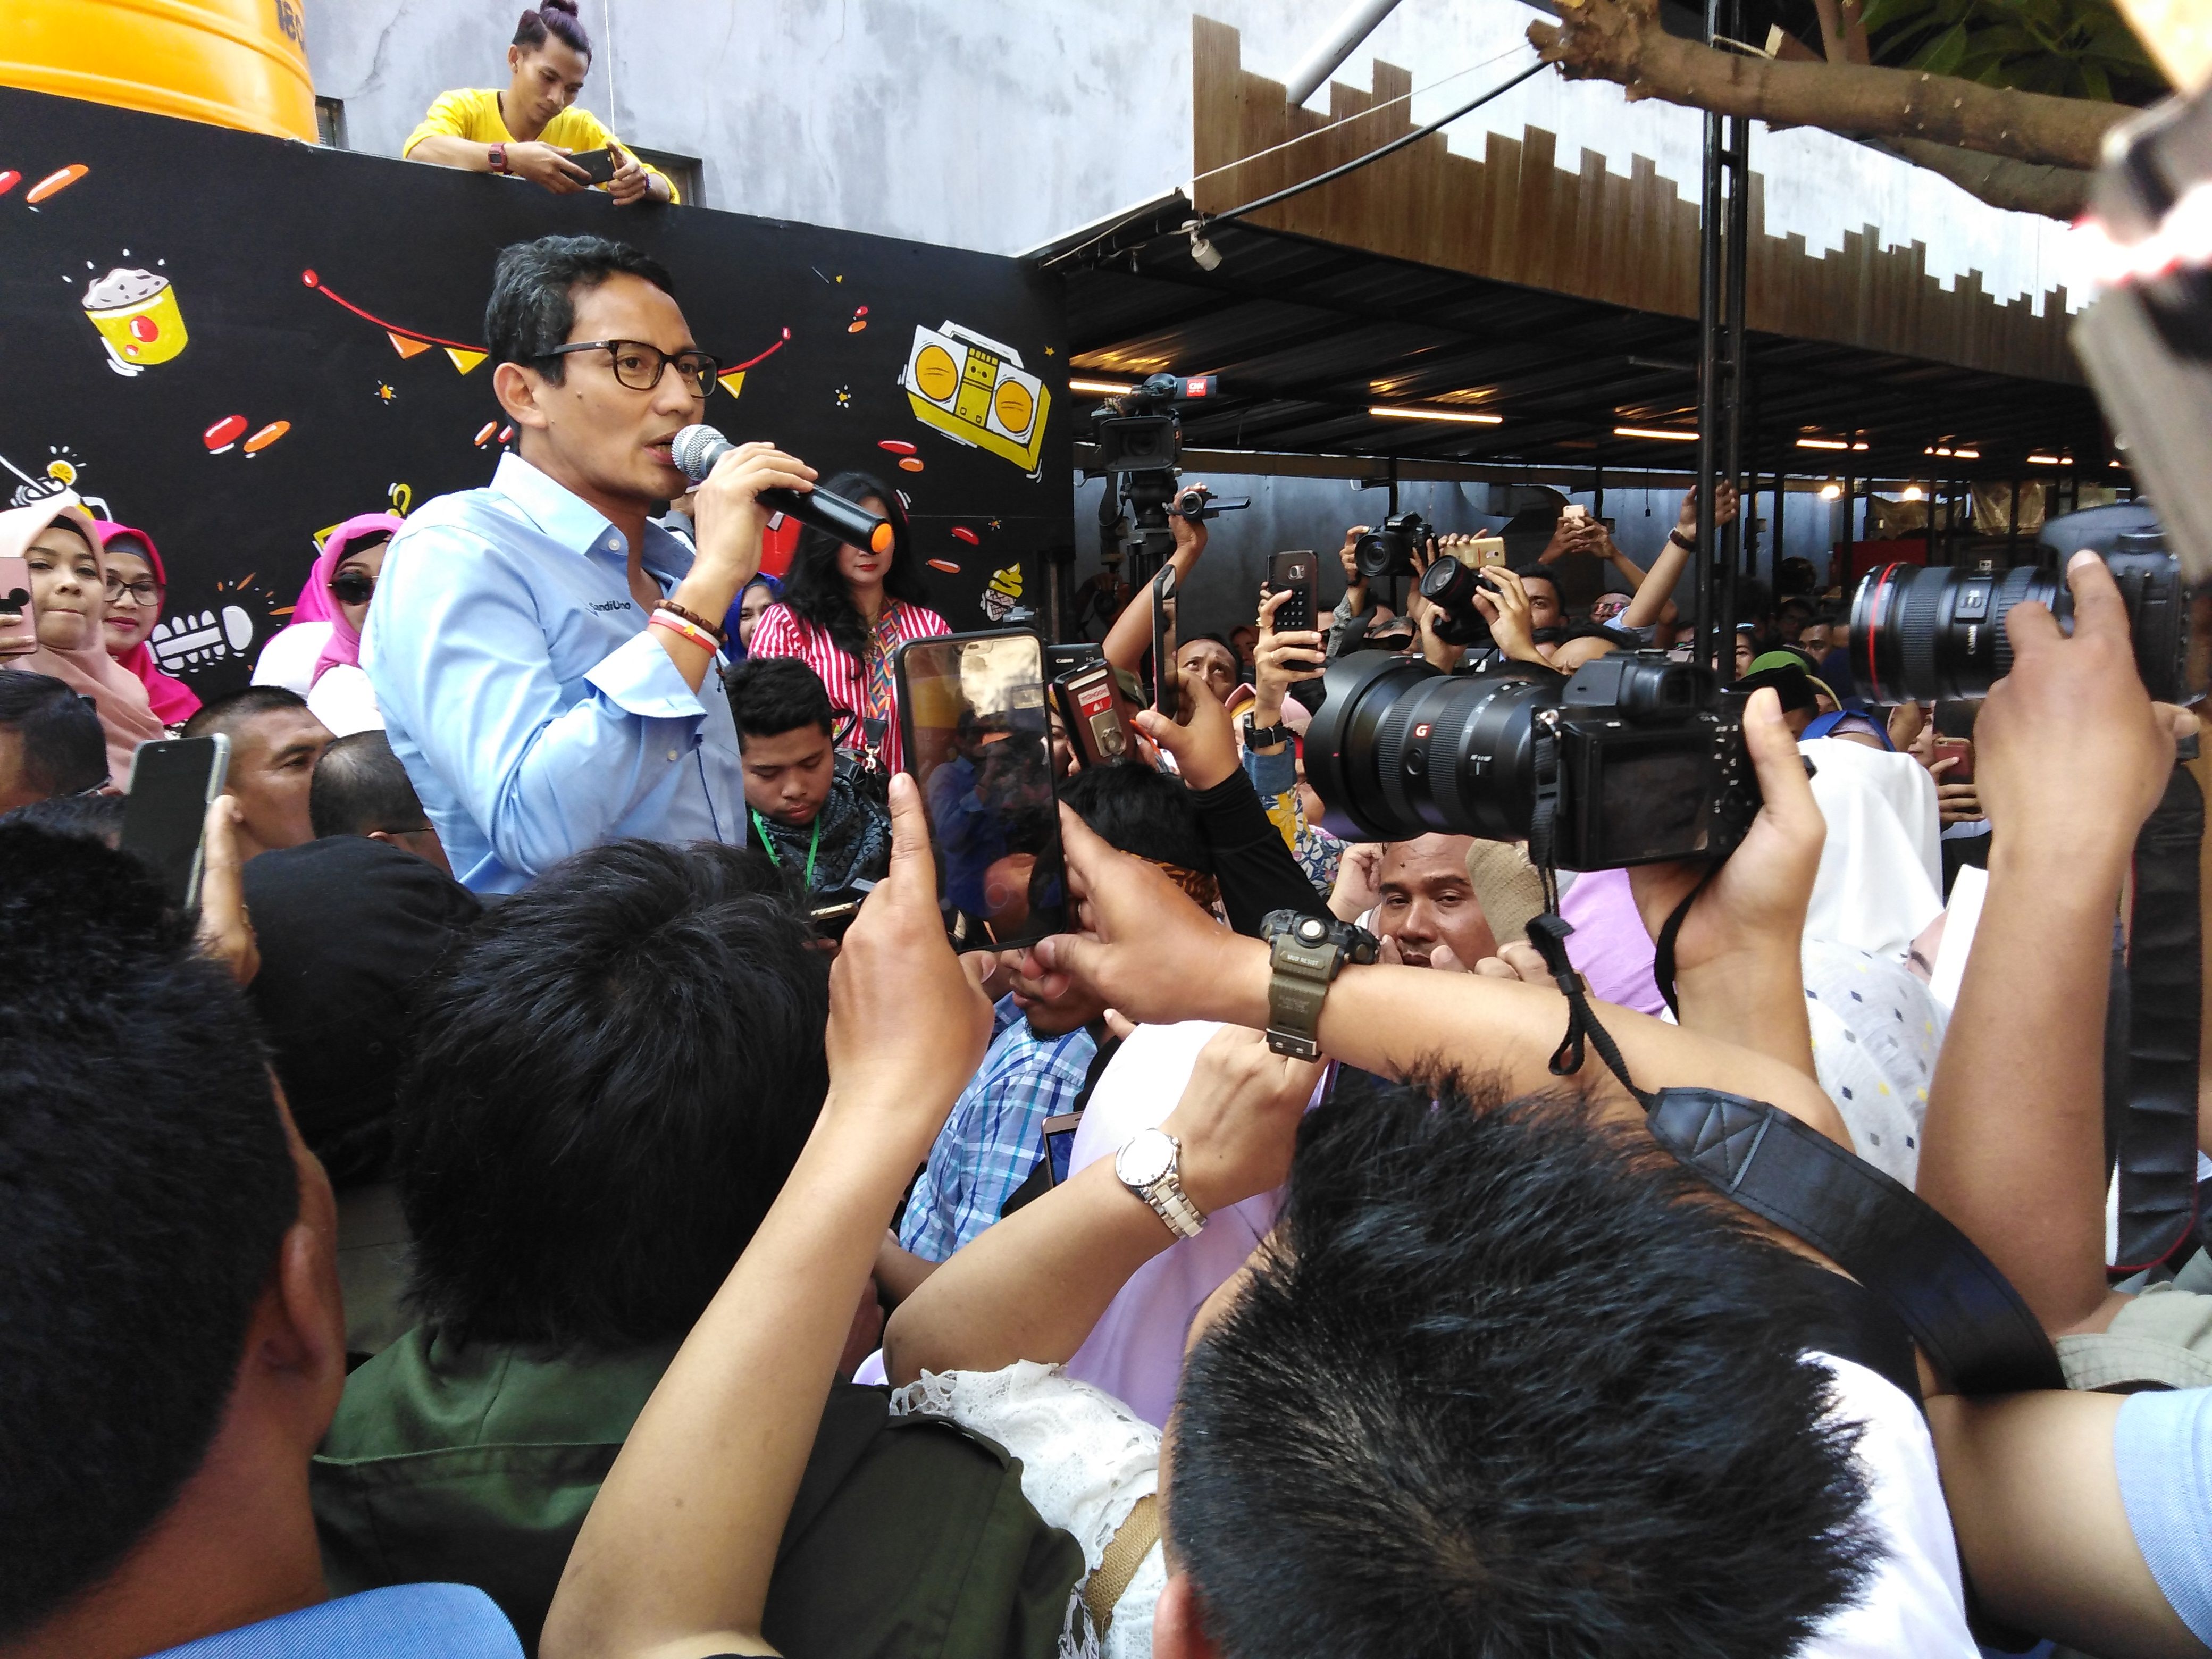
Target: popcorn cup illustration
[135, 312]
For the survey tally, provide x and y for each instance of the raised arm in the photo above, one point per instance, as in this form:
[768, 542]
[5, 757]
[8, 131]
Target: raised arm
[1032, 1286]
[1131, 635]
[2033, 1484]
[1656, 591]
[1157, 961]
[2071, 757]
[675, 1557]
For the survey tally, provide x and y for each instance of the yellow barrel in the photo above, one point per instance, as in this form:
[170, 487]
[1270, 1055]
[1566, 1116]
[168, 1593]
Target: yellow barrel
[234, 62]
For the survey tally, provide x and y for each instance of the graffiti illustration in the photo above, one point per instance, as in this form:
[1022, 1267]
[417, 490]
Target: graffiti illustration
[975, 391]
[135, 312]
[1003, 594]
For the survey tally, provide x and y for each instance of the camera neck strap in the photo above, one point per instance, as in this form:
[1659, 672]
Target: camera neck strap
[2154, 1089]
[1960, 1310]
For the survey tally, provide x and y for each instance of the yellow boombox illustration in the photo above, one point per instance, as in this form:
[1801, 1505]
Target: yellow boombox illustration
[976, 390]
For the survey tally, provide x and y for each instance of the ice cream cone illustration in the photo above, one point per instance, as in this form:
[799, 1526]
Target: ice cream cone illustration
[135, 312]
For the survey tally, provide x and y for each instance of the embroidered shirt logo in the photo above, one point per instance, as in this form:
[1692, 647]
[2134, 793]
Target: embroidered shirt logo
[605, 606]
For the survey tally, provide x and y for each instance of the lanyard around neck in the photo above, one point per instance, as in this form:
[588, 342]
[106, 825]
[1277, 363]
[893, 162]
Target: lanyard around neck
[813, 844]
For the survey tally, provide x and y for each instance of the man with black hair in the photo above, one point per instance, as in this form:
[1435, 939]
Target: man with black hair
[537, 647]
[809, 802]
[1043, 1038]
[360, 788]
[175, 1342]
[274, 745]
[50, 741]
[611, 1080]
[1377, 1382]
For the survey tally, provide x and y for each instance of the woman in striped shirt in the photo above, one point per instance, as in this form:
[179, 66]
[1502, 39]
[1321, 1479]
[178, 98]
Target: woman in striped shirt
[846, 612]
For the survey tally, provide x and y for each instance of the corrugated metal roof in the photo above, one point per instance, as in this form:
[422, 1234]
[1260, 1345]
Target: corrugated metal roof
[1308, 336]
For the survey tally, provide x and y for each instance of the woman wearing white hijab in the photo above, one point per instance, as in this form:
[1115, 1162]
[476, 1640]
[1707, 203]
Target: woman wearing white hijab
[1875, 1029]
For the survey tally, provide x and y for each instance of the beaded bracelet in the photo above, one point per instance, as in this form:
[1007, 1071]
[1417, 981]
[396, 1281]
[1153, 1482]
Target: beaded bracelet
[676, 625]
[721, 636]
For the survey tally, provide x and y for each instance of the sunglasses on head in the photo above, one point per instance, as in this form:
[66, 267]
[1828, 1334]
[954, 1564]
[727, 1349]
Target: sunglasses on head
[351, 588]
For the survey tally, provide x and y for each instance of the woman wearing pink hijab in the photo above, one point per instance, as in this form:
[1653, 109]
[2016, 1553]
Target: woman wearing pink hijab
[68, 598]
[339, 693]
[324, 632]
[136, 584]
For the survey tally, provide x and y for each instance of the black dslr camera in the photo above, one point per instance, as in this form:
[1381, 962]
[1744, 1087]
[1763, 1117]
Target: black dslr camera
[1389, 551]
[1633, 760]
[1139, 437]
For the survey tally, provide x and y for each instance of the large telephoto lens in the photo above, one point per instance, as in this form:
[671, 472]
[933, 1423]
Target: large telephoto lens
[1921, 635]
[1399, 749]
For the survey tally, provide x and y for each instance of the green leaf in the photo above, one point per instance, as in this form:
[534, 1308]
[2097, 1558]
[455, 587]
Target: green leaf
[1943, 55]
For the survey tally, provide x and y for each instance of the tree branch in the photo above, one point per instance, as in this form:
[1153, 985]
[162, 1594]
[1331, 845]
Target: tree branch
[1621, 41]
[2020, 186]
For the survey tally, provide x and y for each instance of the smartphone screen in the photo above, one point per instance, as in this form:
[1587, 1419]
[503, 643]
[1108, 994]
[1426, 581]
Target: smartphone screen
[165, 812]
[19, 628]
[978, 743]
[1167, 693]
[1060, 1143]
[1090, 707]
[1295, 573]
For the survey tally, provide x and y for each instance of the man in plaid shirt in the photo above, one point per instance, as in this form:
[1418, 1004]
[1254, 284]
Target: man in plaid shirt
[1042, 1048]
[1035, 1067]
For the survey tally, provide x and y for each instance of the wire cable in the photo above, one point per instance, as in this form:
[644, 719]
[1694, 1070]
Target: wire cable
[1208, 221]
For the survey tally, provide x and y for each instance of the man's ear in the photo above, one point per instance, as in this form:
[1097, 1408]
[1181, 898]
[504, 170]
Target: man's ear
[516, 389]
[300, 1330]
[513, 61]
[1179, 1622]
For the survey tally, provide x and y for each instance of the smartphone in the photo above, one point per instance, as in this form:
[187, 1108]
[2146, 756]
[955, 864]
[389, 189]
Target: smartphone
[1296, 574]
[600, 163]
[1060, 1143]
[1959, 749]
[1573, 512]
[1167, 693]
[972, 711]
[165, 809]
[18, 627]
[1091, 708]
[1488, 551]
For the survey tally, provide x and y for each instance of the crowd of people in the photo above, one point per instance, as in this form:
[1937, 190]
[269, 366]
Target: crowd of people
[562, 1192]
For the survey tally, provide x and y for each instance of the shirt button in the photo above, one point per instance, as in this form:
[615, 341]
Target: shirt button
[671, 753]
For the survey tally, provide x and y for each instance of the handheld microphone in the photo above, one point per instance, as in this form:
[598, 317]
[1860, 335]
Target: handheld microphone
[696, 448]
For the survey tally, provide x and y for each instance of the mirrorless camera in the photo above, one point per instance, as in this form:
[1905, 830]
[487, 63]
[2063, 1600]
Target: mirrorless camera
[1925, 634]
[1634, 759]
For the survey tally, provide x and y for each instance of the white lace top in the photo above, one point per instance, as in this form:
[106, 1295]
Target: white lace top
[1085, 1461]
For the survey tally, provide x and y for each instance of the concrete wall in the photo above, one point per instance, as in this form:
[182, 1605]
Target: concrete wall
[997, 124]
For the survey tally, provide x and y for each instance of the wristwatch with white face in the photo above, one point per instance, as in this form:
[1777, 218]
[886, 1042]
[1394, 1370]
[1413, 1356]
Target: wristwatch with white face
[1150, 1165]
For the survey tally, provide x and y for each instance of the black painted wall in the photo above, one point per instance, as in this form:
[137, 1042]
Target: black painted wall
[288, 409]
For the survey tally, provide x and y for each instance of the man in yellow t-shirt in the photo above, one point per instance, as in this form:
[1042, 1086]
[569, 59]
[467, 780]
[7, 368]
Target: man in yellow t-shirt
[530, 127]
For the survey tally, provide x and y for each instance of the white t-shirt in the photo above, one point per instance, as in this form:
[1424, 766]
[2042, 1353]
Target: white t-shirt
[290, 658]
[345, 700]
[1914, 1602]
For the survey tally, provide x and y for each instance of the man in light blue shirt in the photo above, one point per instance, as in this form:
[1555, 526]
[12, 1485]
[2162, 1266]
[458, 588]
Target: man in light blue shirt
[537, 648]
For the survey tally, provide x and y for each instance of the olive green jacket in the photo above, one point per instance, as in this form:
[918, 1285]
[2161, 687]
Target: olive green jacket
[909, 1536]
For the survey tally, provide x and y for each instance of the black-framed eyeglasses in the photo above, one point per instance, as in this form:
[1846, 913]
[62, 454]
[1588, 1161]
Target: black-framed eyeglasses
[352, 587]
[148, 592]
[640, 366]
